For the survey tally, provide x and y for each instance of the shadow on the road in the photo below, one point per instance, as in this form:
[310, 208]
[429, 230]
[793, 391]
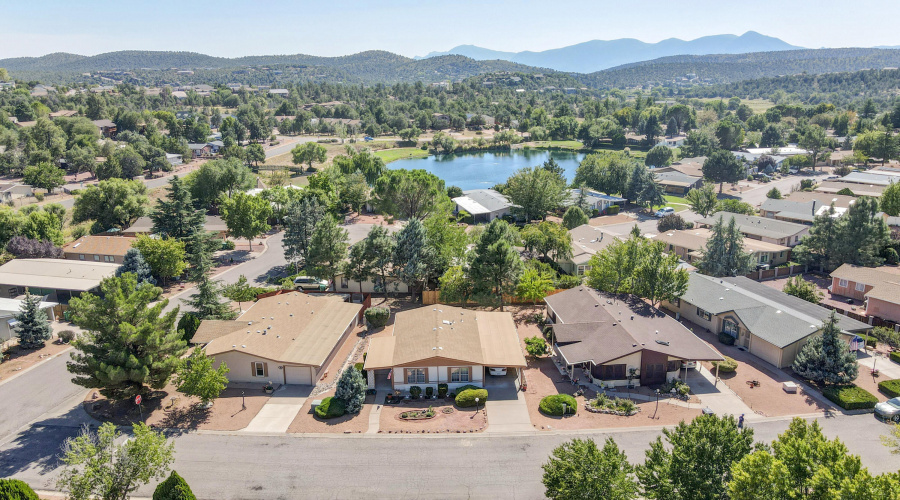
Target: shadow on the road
[38, 446]
[275, 273]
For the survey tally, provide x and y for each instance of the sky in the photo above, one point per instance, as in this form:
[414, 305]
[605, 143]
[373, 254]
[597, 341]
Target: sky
[232, 28]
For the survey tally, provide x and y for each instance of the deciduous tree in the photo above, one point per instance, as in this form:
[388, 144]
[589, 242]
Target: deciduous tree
[722, 166]
[197, 377]
[579, 470]
[246, 216]
[535, 191]
[165, 256]
[412, 194]
[113, 203]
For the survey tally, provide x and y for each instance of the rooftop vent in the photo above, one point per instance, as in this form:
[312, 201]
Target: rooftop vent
[662, 342]
[242, 345]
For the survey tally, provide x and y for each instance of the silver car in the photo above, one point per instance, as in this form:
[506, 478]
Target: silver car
[889, 410]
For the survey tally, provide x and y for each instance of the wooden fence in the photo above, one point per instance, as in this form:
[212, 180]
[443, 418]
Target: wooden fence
[430, 297]
[869, 320]
[778, 272]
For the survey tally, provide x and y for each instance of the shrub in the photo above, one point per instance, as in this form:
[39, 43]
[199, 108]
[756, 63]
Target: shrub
[850, 397]
[891, 256]
[726, 339]
[895, 356]
[871, 342]
[670, 222]
[612, 210]
[173, 488]
[39, 196]
[415, 391]
[891, 388]
[14, 489]
[553, 405]
[66, 336]
[359, 366]
[331, 407]
[227, 245]
[567, 281]
[377, 317]
[188, 324]
[442, 390]
[536, 346]
[429, 392]
[727, 366]
[465, 398]
[626, 405]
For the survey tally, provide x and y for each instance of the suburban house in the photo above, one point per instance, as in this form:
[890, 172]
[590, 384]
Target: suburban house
[675, 182]
[215, 146]
[144, 225]
[761, 228]
[484, 205]
[13, 191]
[443, 344]
[799, 212]
[771, 324]
[288, 338]
[107, 128]
[280, 92]
[825, 199]
[594, 199]
[59, 279]
[199, 150]
[618, 341]
[676, 141]
[689, 245]
[9, 309]
[836, 186]
[878, 288]
[586, 241]
[98, 248]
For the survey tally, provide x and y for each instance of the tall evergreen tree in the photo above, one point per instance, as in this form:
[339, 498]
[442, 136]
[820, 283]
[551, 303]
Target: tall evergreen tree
[724, 253]
[858, 237]
[207, 302]
[32, 326]
[174, 215]
[299, 224]
[380, 246]
[351, 388]
[496, 265]
[327, 248]
[410, 259]
[127, 345]
[360, 266]
[826, 358]
[134, 263]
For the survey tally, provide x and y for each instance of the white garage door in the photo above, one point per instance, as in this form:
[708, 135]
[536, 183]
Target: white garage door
[298, 375]
[765, 350]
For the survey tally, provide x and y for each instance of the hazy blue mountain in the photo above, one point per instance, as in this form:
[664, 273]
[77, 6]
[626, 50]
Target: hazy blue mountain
[597, 55]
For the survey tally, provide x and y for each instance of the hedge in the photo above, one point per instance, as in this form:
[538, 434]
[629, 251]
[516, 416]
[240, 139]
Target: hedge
[377, 317]
[727, 366]
[553, 405]
[850, 397]
[331, 407]
[466, 398]
[14, 489]
[895, 356]
[726, 339]
[891, 388]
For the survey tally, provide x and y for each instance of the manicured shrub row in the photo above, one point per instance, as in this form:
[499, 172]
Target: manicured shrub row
[727, 366]
[895, 356]
[726, 339]
[553, 405]
[14, 489]
[442, 390]
[850, 397]
[331, 407]
[890, 388]
[465, 398]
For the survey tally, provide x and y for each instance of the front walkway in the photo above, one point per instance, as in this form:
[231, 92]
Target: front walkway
[718, 397]
[506, 407]
[278, 413]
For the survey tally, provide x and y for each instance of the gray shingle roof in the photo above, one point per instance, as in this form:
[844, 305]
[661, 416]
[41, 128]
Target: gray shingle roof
[758, 226]
[676, 176]
[482, 201]
[770, 314]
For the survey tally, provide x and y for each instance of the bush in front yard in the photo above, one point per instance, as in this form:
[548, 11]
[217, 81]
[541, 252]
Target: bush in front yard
[895, 356]
[891, 388]
[727, 366]
[850, 397]
[377, 317]
[465, 397]
[415, 391]
[14, 489]
[442, 390]
[726, 339]
[331, 407]
[553, 405]
[66, 336]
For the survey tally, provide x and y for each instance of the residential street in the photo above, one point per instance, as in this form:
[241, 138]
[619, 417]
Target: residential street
[756, 196]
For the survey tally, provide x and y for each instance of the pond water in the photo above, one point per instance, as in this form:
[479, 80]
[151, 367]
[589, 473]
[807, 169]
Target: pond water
[484, 170]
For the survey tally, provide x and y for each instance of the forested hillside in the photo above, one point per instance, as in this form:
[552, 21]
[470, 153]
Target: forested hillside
[727, 68]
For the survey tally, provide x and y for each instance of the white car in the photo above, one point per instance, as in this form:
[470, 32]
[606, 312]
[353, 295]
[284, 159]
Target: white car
[889, 410]
[497, 371]
[689, 364]
[310, 283]
[662, 212]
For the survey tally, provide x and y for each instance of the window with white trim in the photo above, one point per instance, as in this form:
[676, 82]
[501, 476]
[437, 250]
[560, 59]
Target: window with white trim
[81, 256]
[460, 374]
[583, 269]
[860, 287]
[109, 258]
[703, 314]
[259, 369]
[842, 283]
[415, 375]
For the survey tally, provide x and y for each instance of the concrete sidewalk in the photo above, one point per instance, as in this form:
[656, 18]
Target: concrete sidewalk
[280, 411]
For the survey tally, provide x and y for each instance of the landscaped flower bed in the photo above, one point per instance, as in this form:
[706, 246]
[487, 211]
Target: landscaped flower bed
[613, 406]
[418, 414]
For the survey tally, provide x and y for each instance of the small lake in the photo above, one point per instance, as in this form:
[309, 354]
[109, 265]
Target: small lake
[484, 170]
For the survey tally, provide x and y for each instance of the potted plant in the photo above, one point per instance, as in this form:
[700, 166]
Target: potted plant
[269, 388]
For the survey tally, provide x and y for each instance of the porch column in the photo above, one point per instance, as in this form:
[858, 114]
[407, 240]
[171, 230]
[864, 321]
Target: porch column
[370, 378]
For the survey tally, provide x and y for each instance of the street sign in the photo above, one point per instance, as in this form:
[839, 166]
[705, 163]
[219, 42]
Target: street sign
[137, 399]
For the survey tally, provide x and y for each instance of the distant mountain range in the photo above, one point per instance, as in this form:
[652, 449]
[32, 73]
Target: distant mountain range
[598, 55]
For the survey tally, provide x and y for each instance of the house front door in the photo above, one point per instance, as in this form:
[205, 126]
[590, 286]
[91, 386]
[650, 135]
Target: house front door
[653, 368]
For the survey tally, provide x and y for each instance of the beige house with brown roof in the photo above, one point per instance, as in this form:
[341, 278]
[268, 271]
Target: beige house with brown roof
[586, 241]
[99, 248]
[877, 287]
[689, 245]
[443, 344]
[284, 339]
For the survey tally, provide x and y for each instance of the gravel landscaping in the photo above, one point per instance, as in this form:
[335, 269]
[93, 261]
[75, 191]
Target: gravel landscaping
[457, 421]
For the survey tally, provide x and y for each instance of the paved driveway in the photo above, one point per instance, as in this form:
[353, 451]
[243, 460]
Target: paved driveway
[278, 413]
[717, 396]
[506, 408]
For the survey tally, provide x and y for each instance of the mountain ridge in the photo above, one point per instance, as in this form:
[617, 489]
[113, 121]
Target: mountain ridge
[597, 55]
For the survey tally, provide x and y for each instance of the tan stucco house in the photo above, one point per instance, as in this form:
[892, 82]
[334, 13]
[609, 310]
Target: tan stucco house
[689, 245]
[99, 248]
[878, 288]
[764, 229]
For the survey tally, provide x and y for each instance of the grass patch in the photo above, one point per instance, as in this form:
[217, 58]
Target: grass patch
[676, 202]
[757, 105]
[559, 144]
[850, 397]
[389, 155]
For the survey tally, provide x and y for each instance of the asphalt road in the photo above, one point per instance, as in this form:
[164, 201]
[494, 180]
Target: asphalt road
[757, 195]
[229, 466]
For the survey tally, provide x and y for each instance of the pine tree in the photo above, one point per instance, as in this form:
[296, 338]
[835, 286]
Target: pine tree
[327, 248]
[207, 302]
[496, 265]
[351, 388]
[299, 224]
[173, 488]
[32, 326]
[134, 263]
[826, 358]
[175, 215]
[724, 254]
[127, 345]
[410, 259]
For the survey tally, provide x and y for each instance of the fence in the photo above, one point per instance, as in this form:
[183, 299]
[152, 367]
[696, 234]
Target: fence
[778, 272]
[870, 320]
[430, 297]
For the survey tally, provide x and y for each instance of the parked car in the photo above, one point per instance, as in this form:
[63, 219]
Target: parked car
[368, 139]
[662, 212]
[689, 364]
[889, 410]
[310, 283]
[497, 371]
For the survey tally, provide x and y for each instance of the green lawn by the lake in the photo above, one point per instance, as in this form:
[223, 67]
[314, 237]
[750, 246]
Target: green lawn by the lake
[559, 144]
[676, 202]
[389, 155]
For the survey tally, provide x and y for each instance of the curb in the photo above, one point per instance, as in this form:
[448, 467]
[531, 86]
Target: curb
[32, 367]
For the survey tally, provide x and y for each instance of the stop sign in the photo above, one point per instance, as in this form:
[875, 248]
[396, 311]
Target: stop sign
[137, 399]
